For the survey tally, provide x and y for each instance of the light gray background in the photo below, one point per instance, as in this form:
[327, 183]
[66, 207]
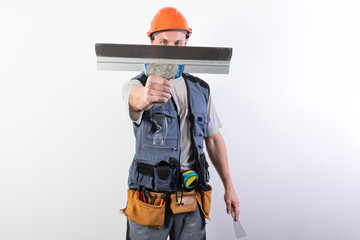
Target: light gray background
[290, 109]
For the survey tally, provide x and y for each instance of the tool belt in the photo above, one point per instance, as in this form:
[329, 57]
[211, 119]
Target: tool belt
[148, 208]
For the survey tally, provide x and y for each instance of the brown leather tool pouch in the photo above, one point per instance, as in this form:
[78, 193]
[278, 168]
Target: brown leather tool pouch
[142, 213]
[188, 202]
[204, 200]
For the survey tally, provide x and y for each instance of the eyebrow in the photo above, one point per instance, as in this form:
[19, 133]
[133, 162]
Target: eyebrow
[166, 40]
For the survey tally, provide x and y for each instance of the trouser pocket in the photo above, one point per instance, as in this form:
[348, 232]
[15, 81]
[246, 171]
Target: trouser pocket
[151, 213]
[204, 200]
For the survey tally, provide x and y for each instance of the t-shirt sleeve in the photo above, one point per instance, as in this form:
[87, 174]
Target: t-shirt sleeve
[135, 116]
[215, 124]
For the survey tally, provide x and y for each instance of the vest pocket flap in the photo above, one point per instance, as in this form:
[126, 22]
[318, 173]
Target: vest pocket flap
[165, 175]
[154, 174]
[201, 117]
[200, 120]
[165, 112]
[145, 169]
[142, 173]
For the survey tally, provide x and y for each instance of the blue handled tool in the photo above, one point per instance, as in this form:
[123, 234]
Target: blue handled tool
[153, 200]
[145, 195]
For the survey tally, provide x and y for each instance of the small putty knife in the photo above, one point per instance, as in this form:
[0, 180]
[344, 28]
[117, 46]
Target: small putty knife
[239, 230]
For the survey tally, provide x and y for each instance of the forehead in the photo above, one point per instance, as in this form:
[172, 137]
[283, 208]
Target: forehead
[171, 35]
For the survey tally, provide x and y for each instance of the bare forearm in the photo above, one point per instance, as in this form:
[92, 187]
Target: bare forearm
[216, 149]
[215, 146]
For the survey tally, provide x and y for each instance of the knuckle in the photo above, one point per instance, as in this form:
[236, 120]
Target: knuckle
[148, 85]
[148, 99]
[147, 92]
[150, 80]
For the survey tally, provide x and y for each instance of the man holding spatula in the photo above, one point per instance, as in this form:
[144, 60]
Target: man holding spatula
[172, 114]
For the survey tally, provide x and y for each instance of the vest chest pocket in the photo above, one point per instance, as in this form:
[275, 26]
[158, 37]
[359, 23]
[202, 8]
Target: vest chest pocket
[201, 121]
[162, 126]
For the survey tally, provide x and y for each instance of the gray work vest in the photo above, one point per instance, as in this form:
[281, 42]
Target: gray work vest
[156, 164]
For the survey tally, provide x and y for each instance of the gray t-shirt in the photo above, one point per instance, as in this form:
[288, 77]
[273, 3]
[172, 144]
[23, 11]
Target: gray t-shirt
[179, 93]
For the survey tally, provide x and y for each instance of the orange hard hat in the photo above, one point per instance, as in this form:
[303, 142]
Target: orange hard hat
[169, 18]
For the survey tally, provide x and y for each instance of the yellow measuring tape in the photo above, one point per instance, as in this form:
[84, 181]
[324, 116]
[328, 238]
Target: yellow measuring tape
[190, 179]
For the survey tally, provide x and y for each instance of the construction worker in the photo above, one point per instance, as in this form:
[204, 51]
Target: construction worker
[169, 194]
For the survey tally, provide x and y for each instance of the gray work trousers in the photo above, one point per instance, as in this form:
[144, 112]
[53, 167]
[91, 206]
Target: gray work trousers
[182, 226]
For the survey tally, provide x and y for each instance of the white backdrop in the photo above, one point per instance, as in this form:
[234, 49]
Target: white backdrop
[290, 110]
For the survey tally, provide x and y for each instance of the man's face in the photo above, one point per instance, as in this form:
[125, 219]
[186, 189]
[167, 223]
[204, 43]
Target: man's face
[170, 38]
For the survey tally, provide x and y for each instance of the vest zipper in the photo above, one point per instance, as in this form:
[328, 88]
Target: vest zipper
[178, 170]
[159, 148]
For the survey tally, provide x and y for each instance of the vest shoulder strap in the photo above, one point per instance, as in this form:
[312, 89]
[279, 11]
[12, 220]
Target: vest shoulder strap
[194, 79]
[141, 77]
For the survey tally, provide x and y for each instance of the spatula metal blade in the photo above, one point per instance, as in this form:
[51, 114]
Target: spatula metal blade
[130, 57]
[239, 230]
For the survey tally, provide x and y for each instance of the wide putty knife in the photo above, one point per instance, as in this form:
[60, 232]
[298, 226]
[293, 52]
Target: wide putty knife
[129, 57]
